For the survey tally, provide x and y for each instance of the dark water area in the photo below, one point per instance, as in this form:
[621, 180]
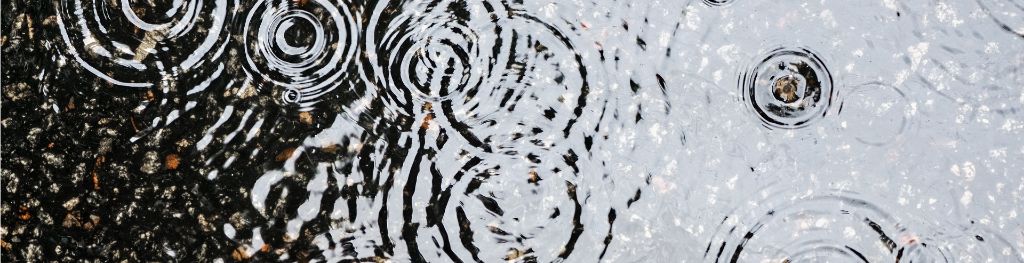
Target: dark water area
[525, 131]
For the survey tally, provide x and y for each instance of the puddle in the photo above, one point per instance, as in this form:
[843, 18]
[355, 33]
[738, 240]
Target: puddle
[483, 130]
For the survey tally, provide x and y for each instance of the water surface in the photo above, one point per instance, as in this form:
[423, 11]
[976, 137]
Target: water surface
[533, 131]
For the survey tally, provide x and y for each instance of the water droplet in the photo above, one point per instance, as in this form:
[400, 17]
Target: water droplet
[292, 96]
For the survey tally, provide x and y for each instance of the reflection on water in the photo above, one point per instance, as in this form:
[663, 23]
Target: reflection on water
[486, 130]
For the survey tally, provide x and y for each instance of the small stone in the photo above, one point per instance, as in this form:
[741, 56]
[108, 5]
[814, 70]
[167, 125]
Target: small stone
[89, 225]
[426, 121]
[71, 220]
[786, 88]
[246, 91]
[306, 117]
[331, 148]
[206, 226]
[148, 43]
[534, 178]
[513, 254]
[54, 159]
[24, 215]
[95, 175]
[71, 203]
[150, 163]
[105, 144]
[183, 143]
[171, 161]
[285, 154]
[239, 254]
[16, 91]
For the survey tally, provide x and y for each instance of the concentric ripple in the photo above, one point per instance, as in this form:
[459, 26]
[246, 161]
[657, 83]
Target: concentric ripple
[437, 55]
[300, 48]
[789, 88]
[813, 227]
[136, 43]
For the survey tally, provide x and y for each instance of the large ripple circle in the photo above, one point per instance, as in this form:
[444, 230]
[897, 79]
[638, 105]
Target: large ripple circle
[491, 74]
[134, 43]
[839, 226]
[440, 53]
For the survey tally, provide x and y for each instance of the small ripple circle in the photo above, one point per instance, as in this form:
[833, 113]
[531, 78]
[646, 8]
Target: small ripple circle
[789, 88]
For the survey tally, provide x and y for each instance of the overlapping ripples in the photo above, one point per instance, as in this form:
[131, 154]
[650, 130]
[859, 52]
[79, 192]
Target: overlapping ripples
[493, 93]
[474, 63]
[149, 47]
[482, 130]
[500, 103]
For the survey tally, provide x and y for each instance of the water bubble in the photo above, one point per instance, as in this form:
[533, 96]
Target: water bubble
[292, 96]
[789, 88]
[303, 48]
